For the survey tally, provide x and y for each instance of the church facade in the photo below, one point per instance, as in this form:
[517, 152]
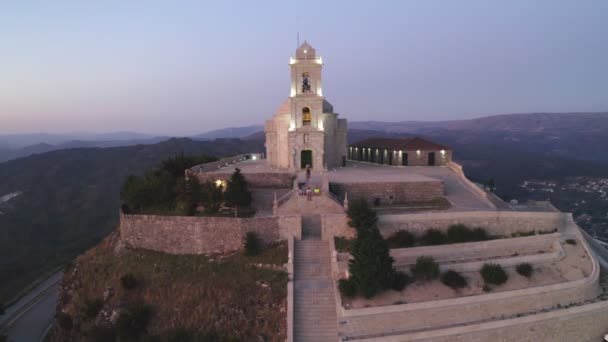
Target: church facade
[305, 131]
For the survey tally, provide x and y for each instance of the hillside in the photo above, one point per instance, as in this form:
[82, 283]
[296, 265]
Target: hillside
[68, 201]
[173, 297]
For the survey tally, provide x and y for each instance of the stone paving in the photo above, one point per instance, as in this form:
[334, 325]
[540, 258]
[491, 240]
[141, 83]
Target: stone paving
[315, 316]
[462, 197]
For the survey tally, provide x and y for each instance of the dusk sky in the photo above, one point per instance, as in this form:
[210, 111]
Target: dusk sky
[185, 67]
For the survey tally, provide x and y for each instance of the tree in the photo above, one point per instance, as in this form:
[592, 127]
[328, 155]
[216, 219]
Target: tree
[491, 185]
[212, 197]
[237, 192]
[361, 215]
[371, 268]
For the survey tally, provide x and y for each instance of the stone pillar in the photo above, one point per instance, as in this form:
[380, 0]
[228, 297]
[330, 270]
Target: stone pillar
[346, 201]
[275, 205]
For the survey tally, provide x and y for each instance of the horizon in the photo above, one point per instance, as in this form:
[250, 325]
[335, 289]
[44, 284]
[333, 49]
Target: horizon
[188, 68]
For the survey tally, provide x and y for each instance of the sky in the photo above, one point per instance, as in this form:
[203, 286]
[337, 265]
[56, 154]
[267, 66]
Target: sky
[186, 67]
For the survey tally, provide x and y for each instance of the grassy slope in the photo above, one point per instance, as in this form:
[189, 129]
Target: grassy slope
[192, 293]
[70, 201]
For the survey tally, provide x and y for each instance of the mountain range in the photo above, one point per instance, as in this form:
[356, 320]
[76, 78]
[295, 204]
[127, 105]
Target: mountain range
[62, 196]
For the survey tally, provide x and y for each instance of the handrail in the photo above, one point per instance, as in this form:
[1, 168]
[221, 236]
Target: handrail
[285, 198]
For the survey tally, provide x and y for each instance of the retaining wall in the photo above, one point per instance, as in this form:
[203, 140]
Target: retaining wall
[391, 192]
[495, 222]
[395, 319]
[273, 180]
[202, 235]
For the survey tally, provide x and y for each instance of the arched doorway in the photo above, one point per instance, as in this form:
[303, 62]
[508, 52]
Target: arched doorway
[306, 118]
[305, 158]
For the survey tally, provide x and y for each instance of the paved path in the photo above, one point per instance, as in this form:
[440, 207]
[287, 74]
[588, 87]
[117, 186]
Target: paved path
[314, 303]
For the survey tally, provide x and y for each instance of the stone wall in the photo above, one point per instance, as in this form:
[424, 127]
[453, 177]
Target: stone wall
[391, 192]
[495, 222]
[201, 235]
[255, 179]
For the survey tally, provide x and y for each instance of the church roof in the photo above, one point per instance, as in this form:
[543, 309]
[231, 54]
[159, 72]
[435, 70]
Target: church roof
[306, 51]
[406, 144]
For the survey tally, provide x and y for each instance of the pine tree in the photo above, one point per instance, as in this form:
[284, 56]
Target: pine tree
[361, 215]
[371, 268]
[237, 190]
[212, 197]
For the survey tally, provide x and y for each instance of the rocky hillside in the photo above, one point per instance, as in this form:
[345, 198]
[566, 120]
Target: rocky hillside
[112, 293]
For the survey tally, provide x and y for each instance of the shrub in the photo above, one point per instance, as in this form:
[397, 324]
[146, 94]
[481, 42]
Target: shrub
[493, 274]
[425, 269]
[400, 281]
[460, 233]
[347, 288]
[2, 309]
[454, 280]
[101, 334]
[571, 242]
[343, 244]
[479, 234]
[133, 322]
[92, 307]
[524, 269]
[433, 237]
[64, 321]
[486, 288]
[400, 239]
[128, 281]
[252, 244]
[3, 338]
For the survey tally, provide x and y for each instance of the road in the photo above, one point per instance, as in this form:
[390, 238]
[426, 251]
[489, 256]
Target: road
[30, 318]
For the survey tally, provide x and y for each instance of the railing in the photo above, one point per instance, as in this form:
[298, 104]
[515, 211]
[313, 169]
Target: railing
[212, 166]
[334, 198]
[284, 198]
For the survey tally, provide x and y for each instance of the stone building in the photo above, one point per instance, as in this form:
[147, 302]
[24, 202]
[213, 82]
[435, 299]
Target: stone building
[400, 152]
[305, 130]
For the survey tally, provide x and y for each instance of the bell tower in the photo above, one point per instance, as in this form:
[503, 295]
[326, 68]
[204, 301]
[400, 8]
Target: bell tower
[306, 87]
[305, 131]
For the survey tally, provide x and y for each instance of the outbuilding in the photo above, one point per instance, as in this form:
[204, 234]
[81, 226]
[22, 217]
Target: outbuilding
[400, 152]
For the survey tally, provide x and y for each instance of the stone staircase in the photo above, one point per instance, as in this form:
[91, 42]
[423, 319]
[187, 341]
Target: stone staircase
[314, 303]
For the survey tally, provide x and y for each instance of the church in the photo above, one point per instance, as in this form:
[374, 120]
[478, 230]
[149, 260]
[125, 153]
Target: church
[305, 131]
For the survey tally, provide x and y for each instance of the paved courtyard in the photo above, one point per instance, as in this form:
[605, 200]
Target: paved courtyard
[462, 197]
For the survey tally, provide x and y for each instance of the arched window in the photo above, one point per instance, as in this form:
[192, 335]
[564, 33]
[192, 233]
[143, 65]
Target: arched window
[306, 118]
[305, 82]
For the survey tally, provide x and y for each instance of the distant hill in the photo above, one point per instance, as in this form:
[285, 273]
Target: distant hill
[231, 132]
[16, 141]
[69, 200]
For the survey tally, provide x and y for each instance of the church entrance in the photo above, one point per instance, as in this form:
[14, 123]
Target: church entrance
[305, 158]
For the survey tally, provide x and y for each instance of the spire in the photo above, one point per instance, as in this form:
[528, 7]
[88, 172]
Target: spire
[306, 51]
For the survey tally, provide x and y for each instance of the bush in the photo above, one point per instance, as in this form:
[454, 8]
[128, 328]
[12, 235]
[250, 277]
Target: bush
[494, 274]
[460, 233]
[343, 244]
[253, 245]
[133, 322]
[3, 338]
[92, 307]
[454, 280]
[2, 309]
[571, 242]
[101, 334]
[400, 239]
[347, 288]
[64, 321]
[400, 281]
[524, 269]
[433, 237]
[128, 281]
[480, 234]
[425, 269]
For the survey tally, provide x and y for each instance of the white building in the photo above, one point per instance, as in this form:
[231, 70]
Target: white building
[305, 130]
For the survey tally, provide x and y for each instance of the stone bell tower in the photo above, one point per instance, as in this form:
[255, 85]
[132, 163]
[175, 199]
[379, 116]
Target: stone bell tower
[305, 130]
